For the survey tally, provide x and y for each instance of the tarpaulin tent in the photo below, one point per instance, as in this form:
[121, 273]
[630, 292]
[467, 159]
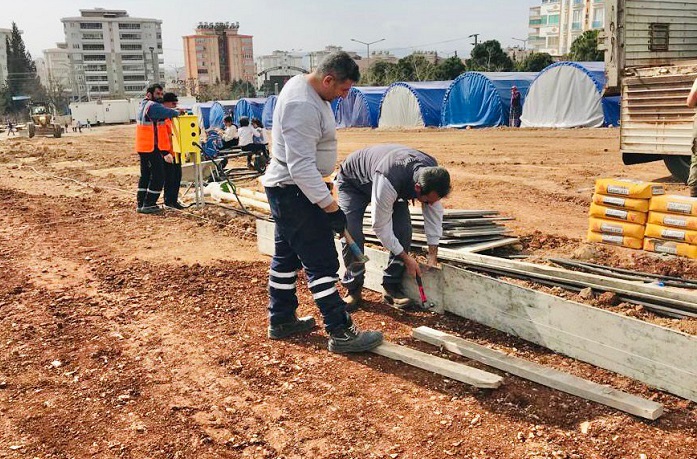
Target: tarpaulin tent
[215, 116]
[251, 107]
[202, 110]
[483, 99]
[413, 104]
[267, 113]
[569, 95]
[360, 108]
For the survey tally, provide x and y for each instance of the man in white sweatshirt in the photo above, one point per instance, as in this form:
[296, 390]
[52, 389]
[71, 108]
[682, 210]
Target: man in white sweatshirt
[305, 213]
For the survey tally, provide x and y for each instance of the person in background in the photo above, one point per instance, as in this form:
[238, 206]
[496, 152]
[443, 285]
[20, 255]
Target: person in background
[89, 126]
[247, 134]
[173, 170]
[10, 128]
[229, 135]
[260, 136]
[516, 108]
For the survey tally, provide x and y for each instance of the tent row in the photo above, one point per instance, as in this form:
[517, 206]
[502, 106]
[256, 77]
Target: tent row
[563, 95]
[212, 113]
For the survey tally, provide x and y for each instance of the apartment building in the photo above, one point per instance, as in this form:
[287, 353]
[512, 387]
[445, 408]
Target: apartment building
[555, 24]
[5, 34]
[54, 69]
[113, 55]
[278, 67]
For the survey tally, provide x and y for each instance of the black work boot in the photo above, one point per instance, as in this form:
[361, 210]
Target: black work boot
[149, 210]
[395, 297]
[348, 338]
[693, 191]
[297, 325]
[353, 300]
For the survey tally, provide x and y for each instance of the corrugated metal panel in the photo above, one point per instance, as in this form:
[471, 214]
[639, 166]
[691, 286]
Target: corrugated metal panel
[654, 118]
[636, 16]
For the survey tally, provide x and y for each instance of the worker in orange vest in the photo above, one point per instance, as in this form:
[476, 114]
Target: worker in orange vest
[154, 145]
[173, 170]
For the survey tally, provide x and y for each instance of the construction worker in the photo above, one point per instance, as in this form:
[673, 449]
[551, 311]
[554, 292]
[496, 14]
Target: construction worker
[387, 177]
[305, 213]
[153, 144]
[692, 178]
[173, 170]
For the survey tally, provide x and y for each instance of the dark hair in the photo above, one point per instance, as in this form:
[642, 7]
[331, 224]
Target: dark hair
[244, 121]
[227, 119]
[170, 97]
[257, 121]
[435, 179]
[340, 65]
[151, 89]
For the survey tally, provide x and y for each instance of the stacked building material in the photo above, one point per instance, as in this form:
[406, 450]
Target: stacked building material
[672, 226]
[461, 228]
[619, 211]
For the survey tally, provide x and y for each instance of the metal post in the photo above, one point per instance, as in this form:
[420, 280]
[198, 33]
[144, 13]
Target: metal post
[367, 44]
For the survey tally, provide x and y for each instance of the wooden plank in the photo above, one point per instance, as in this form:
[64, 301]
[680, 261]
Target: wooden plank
[658, 356]
[542, 375]
[481, 246]
[444, 367]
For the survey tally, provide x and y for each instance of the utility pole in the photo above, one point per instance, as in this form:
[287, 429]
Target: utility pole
[367, 44]
[476, 38]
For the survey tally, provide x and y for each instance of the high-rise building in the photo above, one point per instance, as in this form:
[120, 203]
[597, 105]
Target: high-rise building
[5, 34]
[55, 71]
[218, 53]
[112, 54]
[274, 69]
[555, 24]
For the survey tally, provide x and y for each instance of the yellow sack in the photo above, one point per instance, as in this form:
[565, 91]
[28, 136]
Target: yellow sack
[673, 220]
[673, 234]
[640, 205]
[624, 241]
[675, 204]
[628, 188]
[671, 247]
[618, 214]
[598, 225]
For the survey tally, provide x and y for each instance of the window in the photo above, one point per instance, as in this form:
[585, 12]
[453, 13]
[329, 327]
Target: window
[659, 35]
[134, 78]
[128, 25]
[95, 67]
[132, 68]
[76, 46]
[202, 71]
[90, 25]
[100, 88]
[132, 88]
[130, 36]
[599, 18]
[576, 21]
[95, 47]
[553, 19]
[94, 57]
[92, 36]
[97, 78]
[131, 47]
[132, 57]
[552, 42]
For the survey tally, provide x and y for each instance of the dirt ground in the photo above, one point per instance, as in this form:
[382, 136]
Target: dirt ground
[132, 336]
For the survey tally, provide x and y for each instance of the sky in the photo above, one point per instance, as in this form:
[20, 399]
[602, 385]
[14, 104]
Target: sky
[298, 25]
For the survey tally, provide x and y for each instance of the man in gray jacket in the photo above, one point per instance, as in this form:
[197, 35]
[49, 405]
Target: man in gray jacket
[305, 213]
[387, 177]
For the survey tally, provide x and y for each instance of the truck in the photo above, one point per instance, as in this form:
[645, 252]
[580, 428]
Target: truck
[43, 121]
[651, 61]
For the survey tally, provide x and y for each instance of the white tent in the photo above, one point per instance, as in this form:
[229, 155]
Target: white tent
[415, 104]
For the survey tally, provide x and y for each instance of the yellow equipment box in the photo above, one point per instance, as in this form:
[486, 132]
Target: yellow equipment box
[628, 188]
[673, 220]
[186, 132]
[639, 205]
[599, 225]
[624, 241]
[673, 234]
[617, 214]
[674, 204]
[671, 247]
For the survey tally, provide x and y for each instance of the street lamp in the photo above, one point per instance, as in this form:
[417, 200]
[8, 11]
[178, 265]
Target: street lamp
[368, 47]
[525, 42]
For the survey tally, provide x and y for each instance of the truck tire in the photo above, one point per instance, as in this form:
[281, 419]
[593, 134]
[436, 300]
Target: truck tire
[31, 128]
[679, 166]
[57, 132]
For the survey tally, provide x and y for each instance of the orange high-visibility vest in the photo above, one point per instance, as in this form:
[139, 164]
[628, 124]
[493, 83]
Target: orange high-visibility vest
[150, 134]
[170, 130]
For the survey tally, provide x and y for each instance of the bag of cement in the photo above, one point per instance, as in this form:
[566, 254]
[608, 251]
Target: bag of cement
[628, 188]
[673, 220]
[624, 241]
[673, 234]
[631, 216]
[599, 225]
[671, 247]
[639, 205]
[674, 204]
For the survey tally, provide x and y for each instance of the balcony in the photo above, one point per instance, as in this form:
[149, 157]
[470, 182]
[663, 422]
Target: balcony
[534, 23]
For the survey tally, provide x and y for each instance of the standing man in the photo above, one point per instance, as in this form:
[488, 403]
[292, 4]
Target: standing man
[692, 178]
[387, 177]
[516, 108]
[153, 144]
[173, 170]
[306, 215]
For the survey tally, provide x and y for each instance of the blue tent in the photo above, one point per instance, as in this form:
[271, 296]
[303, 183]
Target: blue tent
[267, 113]
[568, 95]
[215, 116]
[482, 99]
[202, 110]
[360, 108]
[413, 104]
[249, 107]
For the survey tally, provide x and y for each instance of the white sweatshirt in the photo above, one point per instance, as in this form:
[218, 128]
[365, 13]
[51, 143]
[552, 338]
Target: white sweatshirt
[304, 141]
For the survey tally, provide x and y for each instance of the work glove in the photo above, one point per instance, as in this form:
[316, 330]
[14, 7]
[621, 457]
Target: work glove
[337, 221]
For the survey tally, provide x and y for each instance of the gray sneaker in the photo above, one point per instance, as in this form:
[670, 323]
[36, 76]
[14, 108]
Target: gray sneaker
[301, 325]
[349, 339]
[395, 297]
